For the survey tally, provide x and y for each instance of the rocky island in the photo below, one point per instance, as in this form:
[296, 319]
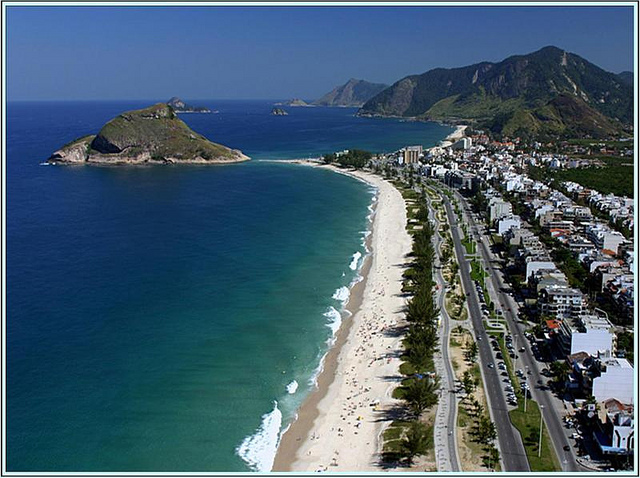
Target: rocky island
[278, 112]
[180, 106]
[150, 135]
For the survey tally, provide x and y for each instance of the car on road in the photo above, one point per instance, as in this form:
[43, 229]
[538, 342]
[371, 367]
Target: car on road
[566, 448]
[490, 365]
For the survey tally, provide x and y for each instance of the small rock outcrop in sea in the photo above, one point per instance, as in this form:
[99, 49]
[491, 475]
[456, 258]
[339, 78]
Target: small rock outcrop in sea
[180, 106]
[279, 112]
[150, 135]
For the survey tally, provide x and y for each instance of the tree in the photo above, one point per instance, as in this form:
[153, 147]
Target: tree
[560, 371]
[416, 441]
[491, 459]
[477, 407]
[421, 394]
[468, 383]
[486, 430]
[471, 351]
[329, 158]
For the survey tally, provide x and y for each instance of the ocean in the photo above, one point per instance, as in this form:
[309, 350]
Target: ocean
[173, 318]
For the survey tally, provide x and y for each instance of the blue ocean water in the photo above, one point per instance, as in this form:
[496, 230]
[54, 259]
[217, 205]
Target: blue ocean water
[159, 317]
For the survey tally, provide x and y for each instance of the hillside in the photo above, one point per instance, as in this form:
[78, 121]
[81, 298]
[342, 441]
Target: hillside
[626, 77]
[354, 93]
[517, 90]
[153, 134]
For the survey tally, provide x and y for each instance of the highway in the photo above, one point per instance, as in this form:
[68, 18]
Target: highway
[545, 398]
[512, 450]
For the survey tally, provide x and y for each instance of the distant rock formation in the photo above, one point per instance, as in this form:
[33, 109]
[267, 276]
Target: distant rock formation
[293, 102]
[150, 135]
[354, 93]
[180, 106]
[279, 112]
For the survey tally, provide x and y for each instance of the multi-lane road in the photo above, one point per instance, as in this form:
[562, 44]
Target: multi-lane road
[544, 397]
[512, 450]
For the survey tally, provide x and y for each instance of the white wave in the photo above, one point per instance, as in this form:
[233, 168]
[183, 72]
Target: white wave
[342, 294]
[259, 450]
[313, 380]
[292, 387]
[354, 261]
[335, 319]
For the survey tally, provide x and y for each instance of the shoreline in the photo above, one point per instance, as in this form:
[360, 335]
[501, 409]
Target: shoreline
[349, 408]
[454, 136]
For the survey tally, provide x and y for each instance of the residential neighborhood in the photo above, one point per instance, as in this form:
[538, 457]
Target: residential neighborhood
[567, 254]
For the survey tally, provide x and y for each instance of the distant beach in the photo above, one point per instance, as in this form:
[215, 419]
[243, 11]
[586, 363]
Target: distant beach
[455, 136]
[339, 425]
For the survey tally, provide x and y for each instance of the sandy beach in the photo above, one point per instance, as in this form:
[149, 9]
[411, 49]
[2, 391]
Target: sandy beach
[453, 137]
[340, 424]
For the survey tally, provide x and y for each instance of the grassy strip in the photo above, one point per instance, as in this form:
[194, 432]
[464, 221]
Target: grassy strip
[469, 245]
[528, 424]
[477, 273]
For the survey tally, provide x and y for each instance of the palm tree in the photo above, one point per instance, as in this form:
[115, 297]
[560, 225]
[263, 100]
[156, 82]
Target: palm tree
[416, 442]
[420, 394]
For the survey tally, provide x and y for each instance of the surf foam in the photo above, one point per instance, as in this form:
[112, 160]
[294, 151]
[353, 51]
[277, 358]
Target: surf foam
[292, 387]
[354, 261]
[259, 450]
[341, 294]
[335, 319]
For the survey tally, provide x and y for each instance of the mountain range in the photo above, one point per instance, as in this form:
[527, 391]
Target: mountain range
[547, 92]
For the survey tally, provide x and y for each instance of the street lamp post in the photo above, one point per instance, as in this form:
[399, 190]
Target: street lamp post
[525, 390]
[540, 439]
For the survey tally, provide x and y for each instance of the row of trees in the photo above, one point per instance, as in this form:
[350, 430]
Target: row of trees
[483, 431]
[353, 158]
[419, 389]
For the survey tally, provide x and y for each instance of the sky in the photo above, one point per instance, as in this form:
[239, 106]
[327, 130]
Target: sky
[269, 52]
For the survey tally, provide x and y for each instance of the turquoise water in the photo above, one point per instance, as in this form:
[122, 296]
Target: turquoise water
[159, 317]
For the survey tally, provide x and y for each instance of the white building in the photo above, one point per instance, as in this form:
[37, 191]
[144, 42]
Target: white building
[615, 435]
[604, 238]
[589, 333]
[535, 266]
[561, 302]
[617, 381]
[507, 223]
[462, 143]
[498, 208]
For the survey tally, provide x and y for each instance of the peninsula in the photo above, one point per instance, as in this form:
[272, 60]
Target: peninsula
[150, 135]
[354, 93]
[293, 102]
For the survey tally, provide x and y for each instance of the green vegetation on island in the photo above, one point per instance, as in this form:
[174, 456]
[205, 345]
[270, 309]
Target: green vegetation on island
[153, 134]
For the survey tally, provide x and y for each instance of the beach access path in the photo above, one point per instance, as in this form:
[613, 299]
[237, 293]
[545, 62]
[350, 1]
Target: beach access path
[353, 405]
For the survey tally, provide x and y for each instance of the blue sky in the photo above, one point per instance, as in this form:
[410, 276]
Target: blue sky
[66, 53]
